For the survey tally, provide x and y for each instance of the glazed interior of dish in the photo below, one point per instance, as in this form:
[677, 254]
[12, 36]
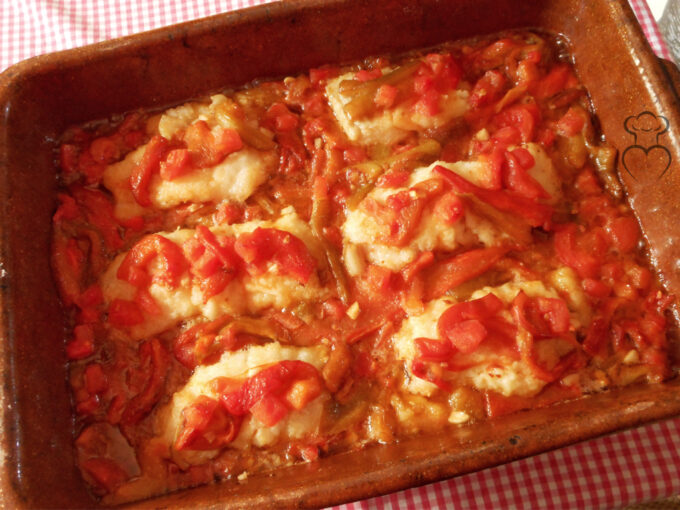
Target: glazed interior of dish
[349, 256]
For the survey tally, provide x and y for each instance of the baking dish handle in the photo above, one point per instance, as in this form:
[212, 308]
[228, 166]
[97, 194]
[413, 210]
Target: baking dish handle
[673, 73]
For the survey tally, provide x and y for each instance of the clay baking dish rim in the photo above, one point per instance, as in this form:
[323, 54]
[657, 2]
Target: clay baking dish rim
[341, 477]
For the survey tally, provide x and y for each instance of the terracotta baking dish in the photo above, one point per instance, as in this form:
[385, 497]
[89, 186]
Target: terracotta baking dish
[42, 96]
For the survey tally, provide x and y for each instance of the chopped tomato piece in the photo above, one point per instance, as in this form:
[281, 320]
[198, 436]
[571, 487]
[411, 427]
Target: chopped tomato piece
[269, 410]
[267, 388]
[433, 350]
[585, 264]
[524, 117]
[287, 251]
[124, 314]
[207, 425]
[465, 335]
[279, 118]
[624, 233]
[571, 122]
[517, 178]
[82, 344]
[385, 96]
[449, 207]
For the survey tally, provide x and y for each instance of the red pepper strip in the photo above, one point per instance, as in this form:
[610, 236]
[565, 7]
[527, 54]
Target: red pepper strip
[424, 260]
[185, 344]
[134, 268]
[542, 317]
[364, 331]
[207, 425]
[141, 176]
[518, 179]
[154, 358]
[462, 323]
[224, 250]
[546, 319]
[537, 215]
[461, 268]
[99, 212]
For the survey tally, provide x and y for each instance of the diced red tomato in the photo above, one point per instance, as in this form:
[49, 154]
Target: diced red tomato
[323, 73]
[449, 207]
[623, 233]
[368, 75]
[95, 379]
[516, 177]
[595, 342]
[82, 344]
[280, 119]
[124, 314]
[596, 288]
[287, 251]
[269, 410]
[266, 393]
[385, 96]
[207, 425]
[571, 122]
[465, 335]
[585, 264]
[525, 117]
[432, 350]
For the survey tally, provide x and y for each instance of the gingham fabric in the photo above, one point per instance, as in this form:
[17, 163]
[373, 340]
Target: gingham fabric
[606, 473]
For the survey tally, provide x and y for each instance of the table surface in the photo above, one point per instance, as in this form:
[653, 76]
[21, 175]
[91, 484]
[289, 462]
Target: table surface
[633, 466]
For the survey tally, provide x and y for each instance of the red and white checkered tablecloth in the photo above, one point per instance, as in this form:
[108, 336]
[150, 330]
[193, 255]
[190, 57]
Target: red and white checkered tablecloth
[637, 465]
